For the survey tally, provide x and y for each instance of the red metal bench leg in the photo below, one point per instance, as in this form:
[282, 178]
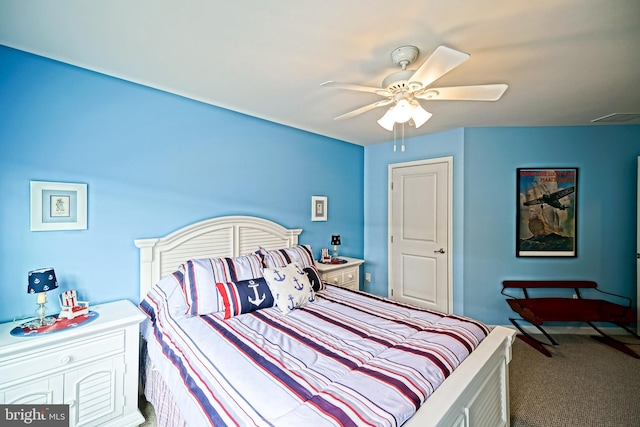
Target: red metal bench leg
[616, 344]
[535, 343]
[612, 342]
[626, 328]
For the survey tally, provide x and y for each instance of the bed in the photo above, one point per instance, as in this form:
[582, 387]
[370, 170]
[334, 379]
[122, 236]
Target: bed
[205, 369]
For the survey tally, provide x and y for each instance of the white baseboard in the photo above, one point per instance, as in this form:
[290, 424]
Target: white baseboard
[572, 330]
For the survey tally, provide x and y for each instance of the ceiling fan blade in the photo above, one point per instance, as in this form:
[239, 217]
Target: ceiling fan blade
[364, 109]
[359, 88]
[464, 93]
[441, 61]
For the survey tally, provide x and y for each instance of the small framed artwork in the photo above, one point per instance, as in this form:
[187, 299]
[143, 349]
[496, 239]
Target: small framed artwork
[546, 212]
[58, 206]
[318, 208]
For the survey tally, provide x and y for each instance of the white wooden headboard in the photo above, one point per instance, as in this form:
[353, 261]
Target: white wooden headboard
[227, 236]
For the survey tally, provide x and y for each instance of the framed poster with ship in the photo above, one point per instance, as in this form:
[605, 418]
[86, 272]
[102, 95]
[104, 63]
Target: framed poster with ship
[546, 212]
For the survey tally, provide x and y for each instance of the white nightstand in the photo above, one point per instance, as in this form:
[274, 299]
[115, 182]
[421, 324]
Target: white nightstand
[93, 368]
[346, 275]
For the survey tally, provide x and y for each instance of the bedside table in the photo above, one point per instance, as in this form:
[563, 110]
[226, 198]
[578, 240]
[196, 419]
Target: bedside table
[93, 368]
[346, 275]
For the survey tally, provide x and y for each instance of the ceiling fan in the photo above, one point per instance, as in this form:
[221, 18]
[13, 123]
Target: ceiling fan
[403, 89]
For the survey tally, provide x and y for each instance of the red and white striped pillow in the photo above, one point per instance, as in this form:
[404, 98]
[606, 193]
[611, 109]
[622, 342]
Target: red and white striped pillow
[202, 275]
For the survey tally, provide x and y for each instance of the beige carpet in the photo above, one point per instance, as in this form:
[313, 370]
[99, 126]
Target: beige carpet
[147, 411]
[585, 383]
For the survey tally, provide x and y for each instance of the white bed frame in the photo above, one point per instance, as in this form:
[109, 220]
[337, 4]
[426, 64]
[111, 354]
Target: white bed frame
[475, 394]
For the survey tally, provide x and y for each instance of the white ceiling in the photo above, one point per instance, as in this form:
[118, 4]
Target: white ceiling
[566, 62]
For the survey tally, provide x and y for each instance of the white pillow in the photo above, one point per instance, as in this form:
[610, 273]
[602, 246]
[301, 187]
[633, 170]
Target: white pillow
[289, 286]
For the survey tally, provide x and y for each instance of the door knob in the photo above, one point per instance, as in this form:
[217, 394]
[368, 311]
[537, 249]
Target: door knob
[441, 251]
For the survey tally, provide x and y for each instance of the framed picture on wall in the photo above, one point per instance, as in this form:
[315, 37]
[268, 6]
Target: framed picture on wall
[58, 206]
[318, 208]
[546, 212]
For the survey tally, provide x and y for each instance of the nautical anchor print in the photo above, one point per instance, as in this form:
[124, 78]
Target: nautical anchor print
[279, 277]
[291, 302]
[258, 299]
[299, 286]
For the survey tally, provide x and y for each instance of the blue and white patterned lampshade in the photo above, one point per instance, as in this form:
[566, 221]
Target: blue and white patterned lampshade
[335, 239]
[42, 280]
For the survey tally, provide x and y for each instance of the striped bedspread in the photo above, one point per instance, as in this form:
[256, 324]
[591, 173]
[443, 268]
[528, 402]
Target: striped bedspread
[350, 358]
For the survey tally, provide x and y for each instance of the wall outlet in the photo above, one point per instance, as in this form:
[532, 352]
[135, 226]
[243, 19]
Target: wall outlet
[367, 277]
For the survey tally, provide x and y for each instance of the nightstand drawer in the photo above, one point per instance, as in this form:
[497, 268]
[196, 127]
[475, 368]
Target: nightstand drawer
[347, 278]
[346, 274]
[47, 360]
[333, 278]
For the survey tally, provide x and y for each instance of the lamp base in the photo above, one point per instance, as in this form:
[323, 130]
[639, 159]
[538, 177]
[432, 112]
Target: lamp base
[41, 318]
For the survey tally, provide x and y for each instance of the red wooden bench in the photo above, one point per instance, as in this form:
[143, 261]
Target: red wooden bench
[571, 308]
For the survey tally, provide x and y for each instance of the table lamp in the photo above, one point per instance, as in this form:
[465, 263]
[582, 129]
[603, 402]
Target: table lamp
[40, 282]
[335, 241]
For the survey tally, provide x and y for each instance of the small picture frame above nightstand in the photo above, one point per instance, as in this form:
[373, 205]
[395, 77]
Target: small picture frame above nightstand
[318, 208]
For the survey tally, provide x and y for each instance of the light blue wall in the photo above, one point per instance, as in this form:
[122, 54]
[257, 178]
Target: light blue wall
[153, 162]
[376, 166]
[606, 158]
[485, 163]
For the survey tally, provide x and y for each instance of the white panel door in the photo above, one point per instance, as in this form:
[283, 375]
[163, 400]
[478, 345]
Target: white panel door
[420, 233]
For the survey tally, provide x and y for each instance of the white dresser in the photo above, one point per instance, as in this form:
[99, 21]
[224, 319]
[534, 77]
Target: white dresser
[346, 275]
[93, 368]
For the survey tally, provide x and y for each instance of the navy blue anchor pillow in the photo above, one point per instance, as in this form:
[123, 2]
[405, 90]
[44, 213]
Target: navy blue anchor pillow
[244, 296]
[289, 286]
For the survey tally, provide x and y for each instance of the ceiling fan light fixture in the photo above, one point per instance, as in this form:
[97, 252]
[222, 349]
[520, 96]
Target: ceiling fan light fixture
[420, 116]
[403, 111]
[403, 88]
[387, 121]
